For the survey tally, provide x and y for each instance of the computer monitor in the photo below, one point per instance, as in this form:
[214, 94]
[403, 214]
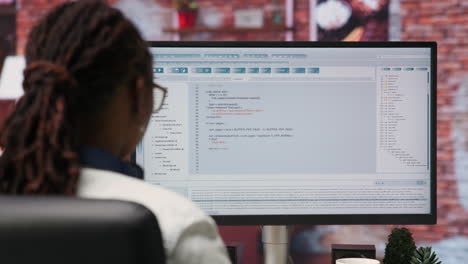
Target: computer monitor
[297, 132]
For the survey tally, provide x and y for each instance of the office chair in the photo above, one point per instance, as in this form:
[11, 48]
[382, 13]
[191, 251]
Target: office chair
[66, 230]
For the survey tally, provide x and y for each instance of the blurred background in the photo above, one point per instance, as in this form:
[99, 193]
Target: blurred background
[443, 21]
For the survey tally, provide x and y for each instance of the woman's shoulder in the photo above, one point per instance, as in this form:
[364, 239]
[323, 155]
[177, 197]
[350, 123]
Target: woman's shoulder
[174, 212]
[103, 184]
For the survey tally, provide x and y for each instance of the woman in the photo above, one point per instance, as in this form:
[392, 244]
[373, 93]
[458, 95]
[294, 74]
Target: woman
[88, 96]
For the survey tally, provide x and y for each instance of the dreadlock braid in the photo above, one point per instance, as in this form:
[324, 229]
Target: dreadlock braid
[72, 70]
[42, 134]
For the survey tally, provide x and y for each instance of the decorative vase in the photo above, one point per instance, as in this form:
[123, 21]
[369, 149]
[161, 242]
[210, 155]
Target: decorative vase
[187, 18]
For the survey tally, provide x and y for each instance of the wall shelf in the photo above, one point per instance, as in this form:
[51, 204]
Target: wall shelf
[229, 30]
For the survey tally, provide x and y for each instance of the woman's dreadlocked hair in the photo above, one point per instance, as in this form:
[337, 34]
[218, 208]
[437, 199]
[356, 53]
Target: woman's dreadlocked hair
[76, 57]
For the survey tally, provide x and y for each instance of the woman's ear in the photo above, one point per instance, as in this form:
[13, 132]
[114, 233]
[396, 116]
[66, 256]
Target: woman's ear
[142, 99]
[137, 100]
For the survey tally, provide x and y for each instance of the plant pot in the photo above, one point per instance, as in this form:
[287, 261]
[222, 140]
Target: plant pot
[187, 19]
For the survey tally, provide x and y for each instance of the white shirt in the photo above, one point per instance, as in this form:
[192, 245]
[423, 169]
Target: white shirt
[189, 235]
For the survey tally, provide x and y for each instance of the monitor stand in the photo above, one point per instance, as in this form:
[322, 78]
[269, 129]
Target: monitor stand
[275, 244]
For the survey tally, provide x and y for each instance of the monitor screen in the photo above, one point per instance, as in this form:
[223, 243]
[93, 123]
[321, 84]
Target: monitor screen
[295, 133]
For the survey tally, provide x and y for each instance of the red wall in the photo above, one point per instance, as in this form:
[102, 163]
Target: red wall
[29, 11]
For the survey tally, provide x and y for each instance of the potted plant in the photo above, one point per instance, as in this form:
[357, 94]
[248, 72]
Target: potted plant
[400, 247]
[187, 12]
[425, 255]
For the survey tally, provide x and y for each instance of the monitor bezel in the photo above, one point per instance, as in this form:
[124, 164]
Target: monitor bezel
[332, 219]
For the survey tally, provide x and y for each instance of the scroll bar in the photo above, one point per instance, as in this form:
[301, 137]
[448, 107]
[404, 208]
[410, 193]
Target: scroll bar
[428, 130]
[428, 120]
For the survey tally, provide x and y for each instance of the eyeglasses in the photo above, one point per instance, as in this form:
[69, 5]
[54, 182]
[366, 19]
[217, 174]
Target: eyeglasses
[159, 96]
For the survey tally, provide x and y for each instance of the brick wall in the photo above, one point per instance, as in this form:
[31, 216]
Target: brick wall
[29, 11]
[447, 23]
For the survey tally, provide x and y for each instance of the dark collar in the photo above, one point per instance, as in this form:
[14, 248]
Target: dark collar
[96, 158]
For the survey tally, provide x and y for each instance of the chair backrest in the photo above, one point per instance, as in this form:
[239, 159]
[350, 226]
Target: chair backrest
[58, 230]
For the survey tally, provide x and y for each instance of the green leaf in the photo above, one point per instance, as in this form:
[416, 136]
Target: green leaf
[424, 255]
